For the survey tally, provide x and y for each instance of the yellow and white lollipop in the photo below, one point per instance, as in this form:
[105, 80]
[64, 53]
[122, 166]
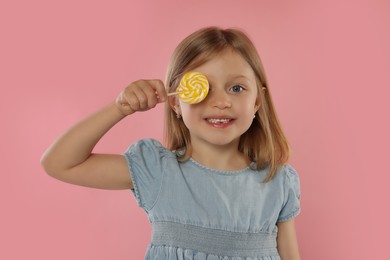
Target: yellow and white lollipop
[193, 88]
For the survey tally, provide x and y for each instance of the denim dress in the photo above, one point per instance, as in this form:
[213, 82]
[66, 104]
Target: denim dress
[206, 214]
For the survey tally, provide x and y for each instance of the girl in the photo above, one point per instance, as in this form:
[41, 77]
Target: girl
[222, 188]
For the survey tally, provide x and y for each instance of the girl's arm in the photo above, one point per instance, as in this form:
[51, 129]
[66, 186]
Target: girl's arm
[70, 158]
[287, 241]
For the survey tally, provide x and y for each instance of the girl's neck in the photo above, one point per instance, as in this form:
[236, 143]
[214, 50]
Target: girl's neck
[224, 158]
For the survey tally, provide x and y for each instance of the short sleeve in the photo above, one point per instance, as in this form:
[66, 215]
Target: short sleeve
[145, 160]
[292, 194]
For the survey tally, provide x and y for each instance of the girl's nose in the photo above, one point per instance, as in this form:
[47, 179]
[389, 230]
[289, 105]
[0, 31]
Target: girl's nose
[219, 99]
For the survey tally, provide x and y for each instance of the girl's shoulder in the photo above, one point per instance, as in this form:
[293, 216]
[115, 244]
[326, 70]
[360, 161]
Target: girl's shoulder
[289, 171]
[286, 178]
[286, 171]
[149, 147]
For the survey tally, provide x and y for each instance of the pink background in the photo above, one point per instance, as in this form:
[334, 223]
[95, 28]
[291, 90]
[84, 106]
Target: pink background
[326, 61]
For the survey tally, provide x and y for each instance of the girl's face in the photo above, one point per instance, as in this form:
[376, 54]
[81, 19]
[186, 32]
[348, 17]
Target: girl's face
[228, 110]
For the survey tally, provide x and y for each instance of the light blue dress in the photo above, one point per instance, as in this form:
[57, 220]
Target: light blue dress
[204, 214]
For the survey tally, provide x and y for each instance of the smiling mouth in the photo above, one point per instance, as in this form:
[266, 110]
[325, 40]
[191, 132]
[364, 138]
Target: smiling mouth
[218, 120]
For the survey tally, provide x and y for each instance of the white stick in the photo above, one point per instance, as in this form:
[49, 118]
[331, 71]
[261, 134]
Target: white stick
[173, 93]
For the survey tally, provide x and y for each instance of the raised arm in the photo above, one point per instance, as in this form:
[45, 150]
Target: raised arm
[70, 158]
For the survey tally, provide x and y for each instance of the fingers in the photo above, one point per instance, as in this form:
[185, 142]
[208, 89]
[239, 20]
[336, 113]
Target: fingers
[141, 95]
[160, 91]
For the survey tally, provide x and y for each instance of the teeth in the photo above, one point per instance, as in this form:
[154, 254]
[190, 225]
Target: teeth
[218, 120]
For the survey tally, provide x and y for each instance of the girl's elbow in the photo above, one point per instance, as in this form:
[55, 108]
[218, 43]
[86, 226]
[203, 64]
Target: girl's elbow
[49, 166]
[45, 163]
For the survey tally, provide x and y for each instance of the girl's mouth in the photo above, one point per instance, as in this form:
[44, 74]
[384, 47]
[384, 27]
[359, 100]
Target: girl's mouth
[219, 122]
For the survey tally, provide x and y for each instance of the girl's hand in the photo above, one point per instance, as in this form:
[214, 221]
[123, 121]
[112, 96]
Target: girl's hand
[141, 95]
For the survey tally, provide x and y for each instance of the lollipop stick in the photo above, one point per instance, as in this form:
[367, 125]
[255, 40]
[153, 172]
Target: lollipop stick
[173, 93]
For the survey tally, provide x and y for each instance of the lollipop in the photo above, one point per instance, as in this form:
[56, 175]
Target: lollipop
[193, 88]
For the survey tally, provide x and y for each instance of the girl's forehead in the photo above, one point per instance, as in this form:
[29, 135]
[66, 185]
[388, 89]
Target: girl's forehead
[226, 63]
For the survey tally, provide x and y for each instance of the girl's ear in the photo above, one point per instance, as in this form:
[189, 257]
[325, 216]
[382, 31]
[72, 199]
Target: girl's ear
[258, 99]
[174, 104]
[257, 104]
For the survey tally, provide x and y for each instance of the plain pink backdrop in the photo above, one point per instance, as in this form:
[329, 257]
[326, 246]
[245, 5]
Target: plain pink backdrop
[327, 62]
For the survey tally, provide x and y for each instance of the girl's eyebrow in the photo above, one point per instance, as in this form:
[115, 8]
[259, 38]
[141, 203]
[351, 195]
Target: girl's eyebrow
[237, 75]
[234, 77]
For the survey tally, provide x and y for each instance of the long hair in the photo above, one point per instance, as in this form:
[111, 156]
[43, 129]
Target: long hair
[264, 142]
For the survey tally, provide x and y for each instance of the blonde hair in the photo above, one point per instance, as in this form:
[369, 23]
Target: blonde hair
[264, 142]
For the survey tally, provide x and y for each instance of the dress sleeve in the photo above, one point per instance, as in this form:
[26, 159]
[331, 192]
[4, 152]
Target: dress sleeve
[292, 195]
[145, 160]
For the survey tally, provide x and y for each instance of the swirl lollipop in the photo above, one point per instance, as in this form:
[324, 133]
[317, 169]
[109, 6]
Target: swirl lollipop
[193, 88]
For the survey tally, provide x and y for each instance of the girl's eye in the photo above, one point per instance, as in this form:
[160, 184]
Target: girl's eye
[236, 88]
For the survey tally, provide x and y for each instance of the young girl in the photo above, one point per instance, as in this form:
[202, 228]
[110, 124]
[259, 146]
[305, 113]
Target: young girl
[222, 188]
